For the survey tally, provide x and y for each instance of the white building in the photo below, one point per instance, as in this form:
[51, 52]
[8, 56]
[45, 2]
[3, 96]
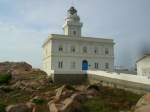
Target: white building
[143, 66]
[73, 54]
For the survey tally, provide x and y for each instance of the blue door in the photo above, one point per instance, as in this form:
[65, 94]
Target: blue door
[84, 65]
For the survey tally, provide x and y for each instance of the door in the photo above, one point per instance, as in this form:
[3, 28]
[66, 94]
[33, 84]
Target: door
[84, 65]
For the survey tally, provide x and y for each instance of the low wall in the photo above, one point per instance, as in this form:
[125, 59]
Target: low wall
[69, 77]
[130, 82]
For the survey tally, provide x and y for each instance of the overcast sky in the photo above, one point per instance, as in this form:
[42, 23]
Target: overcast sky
[25, 24]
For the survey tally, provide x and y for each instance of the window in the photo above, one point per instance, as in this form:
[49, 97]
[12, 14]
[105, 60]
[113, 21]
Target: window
[73, 65]
[73, 49]
[84, 49]
[95, 50]
[106, 65]
[60, 48]
[106, 51]
[96, 65]
[60, 64]
[74, 32]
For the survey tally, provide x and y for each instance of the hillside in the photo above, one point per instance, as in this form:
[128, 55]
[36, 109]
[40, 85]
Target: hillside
[25, 89]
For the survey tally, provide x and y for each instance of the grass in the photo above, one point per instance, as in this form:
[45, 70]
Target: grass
[2, 107]
[5, 78]
[39, 101]
[111, 100]
[97, 105]
[108, 100]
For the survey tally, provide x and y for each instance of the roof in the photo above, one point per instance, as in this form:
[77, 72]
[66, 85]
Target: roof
[66, 37]
[146, 55]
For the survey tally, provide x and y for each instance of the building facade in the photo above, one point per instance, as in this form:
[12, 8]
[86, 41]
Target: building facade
[72, 53]
[143, 66]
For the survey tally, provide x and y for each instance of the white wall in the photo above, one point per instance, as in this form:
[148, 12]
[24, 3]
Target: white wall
[47, 57]
[78, 56]
[121, 76]
[143, 67]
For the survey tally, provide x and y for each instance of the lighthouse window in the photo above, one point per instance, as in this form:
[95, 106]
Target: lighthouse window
[74, 32]
[106, 65]
[60, 64]
[73, 49]
[96, 50]
[106, 51]
[60, 48]
[84, 49]
[96, 66]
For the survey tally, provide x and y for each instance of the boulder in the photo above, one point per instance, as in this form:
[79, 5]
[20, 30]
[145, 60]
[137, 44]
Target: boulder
[143, 105]
[145, 108]
[23, 86]
[15, 67]
[53, 107]
[80, 97]
[64, 92]
[92, 90]
[71, 105]
[38, 100]
[144, 100]
[27, 107]
[68, 105]
[95, 87]
[5, 88]
[2, 92]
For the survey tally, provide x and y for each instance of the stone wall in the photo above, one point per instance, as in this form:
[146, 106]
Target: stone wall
[128, 82]
[69, 78]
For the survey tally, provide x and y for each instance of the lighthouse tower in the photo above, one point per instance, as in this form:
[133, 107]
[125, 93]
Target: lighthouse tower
[72, 26]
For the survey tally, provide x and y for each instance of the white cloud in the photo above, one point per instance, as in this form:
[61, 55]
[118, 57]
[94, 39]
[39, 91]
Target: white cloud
[24, 24]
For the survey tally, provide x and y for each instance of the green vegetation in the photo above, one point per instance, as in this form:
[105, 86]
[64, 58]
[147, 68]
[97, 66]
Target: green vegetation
[5, 78]
[97, 105]
[2, 107]
[111, 100]
[39, 101]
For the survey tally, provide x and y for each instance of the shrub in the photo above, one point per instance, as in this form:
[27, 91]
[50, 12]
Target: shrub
[5, 78]
[38, 101]
[2, 107]
[69, 87]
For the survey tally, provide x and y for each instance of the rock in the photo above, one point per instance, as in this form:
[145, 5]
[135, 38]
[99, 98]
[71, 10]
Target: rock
[53, 107]
[64, 92]
[80, 97]
[23, 86]
[27, 107]
[2, 92]
[143, 105]
[81, 88]
[96, 87]
[38, 100]
[28, 85]
[15, 67]
[145, 108]
[68, 105]
[92, 90]
[145, 100]
[59, 92]
[6, 88]
[72, 103]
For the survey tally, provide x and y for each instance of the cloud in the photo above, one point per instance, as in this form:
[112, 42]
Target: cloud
[25, 24]
[18, 44]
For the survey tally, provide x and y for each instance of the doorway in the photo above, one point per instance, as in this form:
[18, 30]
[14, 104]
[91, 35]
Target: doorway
[84, 65]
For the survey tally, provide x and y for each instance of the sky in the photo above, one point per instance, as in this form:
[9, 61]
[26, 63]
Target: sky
[25, 24]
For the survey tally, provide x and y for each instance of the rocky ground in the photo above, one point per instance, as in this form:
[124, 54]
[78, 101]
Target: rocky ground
[24, 89]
